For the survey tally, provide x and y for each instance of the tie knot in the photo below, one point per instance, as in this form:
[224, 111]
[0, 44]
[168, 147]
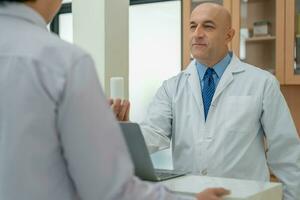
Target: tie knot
[209, 72]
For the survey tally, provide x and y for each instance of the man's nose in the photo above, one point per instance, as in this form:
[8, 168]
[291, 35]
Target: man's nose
[199, 32]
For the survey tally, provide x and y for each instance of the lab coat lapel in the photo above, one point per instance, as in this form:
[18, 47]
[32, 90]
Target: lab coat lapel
[194, 83]
[235, 66]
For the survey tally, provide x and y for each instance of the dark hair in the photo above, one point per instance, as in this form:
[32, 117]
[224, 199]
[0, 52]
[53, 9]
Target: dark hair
[3, 2]
[21, 1]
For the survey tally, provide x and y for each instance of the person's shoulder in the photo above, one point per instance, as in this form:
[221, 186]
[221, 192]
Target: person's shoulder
[61, 50]
[177, 79]
[175, 83]
[45, 47]
[37, 45]
[183, 75]
[258, 72]
[54, 56]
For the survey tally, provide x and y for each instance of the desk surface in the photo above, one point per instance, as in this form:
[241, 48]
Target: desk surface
[240, 189]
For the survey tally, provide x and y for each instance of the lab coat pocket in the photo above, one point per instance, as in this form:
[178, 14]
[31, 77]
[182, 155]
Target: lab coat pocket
[241, 113]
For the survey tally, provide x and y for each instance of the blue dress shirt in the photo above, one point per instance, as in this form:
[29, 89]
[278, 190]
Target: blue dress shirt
[219, 68]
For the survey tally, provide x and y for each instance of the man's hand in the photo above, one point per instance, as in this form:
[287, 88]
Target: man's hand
[212, 194]
[120, 108]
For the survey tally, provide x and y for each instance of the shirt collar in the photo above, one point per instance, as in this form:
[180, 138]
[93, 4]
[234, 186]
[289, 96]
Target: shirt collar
[219, 67]
[20, 10]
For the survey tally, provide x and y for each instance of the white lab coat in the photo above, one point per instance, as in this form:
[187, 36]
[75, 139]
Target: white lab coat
[247, 106]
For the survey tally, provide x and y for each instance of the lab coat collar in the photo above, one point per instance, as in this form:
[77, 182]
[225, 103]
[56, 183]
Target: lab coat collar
[235, 66]
[21, 11]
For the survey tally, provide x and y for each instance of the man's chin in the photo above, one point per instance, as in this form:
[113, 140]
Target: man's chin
[199, 56]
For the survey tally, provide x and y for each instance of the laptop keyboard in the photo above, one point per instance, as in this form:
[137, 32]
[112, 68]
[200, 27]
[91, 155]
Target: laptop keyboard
[165, 174]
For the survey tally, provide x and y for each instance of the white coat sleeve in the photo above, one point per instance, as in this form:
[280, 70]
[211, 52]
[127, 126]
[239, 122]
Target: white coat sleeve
[283, 154]
[157, 125]
[93, 147]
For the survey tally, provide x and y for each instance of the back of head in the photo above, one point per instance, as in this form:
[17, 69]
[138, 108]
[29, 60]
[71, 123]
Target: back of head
[20, 1]
[16, 1]
[219, 2]
[46, 8]
[3, 2]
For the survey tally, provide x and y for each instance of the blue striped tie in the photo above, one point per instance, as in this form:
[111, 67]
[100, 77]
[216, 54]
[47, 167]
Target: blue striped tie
[208, 89]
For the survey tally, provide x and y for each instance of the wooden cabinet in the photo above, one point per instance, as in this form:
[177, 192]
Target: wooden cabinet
[275, 48]
[265, 50]
[292, 42]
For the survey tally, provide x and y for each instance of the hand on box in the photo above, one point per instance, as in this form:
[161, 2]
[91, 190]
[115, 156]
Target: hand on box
[212, 194]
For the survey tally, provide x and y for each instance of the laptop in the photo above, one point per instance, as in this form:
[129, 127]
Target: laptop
[140, 156]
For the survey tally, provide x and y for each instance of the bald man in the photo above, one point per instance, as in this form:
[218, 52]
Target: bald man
[218, 112]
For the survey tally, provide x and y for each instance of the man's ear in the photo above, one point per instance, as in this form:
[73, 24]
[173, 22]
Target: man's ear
[230, 34]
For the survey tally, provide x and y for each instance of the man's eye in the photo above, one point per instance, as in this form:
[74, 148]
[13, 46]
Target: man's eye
[209, 27]
[193, 27]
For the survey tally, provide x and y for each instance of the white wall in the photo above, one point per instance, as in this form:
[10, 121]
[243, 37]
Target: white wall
[154, 56]
[101, 28]
[154, 51]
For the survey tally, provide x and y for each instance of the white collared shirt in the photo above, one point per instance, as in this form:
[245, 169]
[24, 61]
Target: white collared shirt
[58, 137]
